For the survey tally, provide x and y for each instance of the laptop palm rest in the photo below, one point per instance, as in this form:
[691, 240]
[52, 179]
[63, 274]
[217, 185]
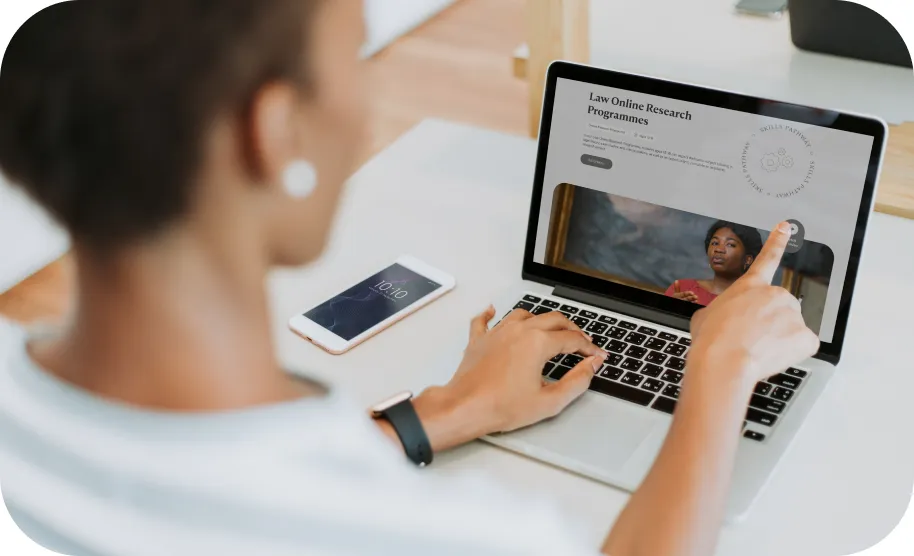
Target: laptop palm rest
[596, 435]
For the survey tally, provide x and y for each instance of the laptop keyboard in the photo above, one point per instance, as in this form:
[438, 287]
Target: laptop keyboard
[645, 365]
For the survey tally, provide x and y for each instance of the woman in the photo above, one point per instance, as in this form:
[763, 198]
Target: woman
[177, 141]
[731, 249]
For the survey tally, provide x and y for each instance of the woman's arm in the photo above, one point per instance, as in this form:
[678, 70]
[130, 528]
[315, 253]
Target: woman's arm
[752, 331]
[675, 290]
[680, 505]
[448, 422]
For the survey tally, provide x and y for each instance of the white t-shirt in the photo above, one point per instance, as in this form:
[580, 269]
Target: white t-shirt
[85, 476]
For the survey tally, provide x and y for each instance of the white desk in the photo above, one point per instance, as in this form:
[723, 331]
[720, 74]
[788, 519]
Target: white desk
[707, 43]
[458, 197]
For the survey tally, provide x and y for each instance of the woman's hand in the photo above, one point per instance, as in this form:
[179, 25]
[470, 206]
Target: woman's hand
[689, 296]
[501, 373]
[499, 386]
[751, 331]
[754, 325]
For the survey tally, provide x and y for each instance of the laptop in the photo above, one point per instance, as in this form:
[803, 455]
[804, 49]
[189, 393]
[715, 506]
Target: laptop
[648, 196]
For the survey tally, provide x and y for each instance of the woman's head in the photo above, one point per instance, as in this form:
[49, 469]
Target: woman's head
[731, 248]
[132, 121]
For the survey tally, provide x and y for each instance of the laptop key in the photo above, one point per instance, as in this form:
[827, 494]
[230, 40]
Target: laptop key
[617, 333]
[598, 340]
[632, 379]
[647, 330]
[785, 381]
[636, 352]
[608, 319]
[570, 309]
[611, 373]
[656, 357]
[614, 359]
[532, 298]
[572, 359]
[654, 343]
[652, 371]
[796, 372]
[559, 371]
[524, 305]
[672, 391]
[652, 385]
[672, 376]
[567, 315]
[762, 388]
[761, 417]
[665, 405]
[685, 341]
[588, 314]
[548, 367]
[580, 321]
[622, 391]
[551, 304]
[597, 327]
[631, 364]
[627, 325]
[558, 358]
[761, 402]
[668, 337]
[675, 363]
[540, 310]
[782, 394]
[675, 349]
[752, 435]
[635, 338]
[616, 346]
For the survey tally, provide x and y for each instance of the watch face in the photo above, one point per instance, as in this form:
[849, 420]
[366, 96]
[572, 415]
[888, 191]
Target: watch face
[390, 402]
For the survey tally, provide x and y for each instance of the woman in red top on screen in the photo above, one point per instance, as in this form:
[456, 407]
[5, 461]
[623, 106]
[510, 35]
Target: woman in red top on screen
[731, 250]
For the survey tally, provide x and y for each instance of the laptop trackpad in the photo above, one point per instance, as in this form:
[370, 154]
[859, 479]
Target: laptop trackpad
[595, 431]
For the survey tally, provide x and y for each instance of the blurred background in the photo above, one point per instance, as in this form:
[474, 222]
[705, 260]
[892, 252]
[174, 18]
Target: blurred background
[482, 62]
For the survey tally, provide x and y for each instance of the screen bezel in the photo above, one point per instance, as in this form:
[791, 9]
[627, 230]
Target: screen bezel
[537, 272]
[336, 345]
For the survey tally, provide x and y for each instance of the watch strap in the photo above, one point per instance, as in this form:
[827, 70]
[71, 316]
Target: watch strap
[405, 421]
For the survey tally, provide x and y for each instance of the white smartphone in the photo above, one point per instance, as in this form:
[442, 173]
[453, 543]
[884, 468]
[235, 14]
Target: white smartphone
[351, 317]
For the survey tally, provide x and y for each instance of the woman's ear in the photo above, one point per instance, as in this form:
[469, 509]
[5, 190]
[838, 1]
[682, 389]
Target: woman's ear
[749, 260]
[271, 138]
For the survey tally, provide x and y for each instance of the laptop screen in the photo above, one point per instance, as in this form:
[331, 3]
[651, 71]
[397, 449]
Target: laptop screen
[675, 198]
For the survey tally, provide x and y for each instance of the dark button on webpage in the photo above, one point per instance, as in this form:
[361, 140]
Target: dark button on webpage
[596, 161]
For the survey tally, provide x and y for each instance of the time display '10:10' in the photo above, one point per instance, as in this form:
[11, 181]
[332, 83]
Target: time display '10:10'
[396, 293]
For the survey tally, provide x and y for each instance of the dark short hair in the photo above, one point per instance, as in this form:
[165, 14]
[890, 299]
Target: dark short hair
[105, 104]
[749, 236]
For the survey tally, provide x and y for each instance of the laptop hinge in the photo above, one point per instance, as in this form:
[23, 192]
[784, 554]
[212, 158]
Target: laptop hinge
[619, 306]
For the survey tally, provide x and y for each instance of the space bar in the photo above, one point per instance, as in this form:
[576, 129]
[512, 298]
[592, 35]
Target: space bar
[621, 391]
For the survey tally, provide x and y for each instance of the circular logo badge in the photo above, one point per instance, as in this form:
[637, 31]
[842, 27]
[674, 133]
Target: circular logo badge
[778, 161]
[797, 235]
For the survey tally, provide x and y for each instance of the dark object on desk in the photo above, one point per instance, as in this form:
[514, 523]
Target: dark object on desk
[846, 29]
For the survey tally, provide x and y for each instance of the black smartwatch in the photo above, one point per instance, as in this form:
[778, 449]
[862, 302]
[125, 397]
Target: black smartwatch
[400, 413]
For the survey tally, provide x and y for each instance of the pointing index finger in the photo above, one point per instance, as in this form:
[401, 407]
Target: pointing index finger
[768, 260]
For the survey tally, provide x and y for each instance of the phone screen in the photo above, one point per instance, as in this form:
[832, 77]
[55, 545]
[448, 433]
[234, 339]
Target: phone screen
[374, 300]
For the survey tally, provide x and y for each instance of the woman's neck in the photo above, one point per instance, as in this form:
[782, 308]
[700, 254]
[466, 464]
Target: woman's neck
[180, 325]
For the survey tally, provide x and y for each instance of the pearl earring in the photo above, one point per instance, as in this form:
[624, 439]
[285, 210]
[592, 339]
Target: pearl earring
[300, 179]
